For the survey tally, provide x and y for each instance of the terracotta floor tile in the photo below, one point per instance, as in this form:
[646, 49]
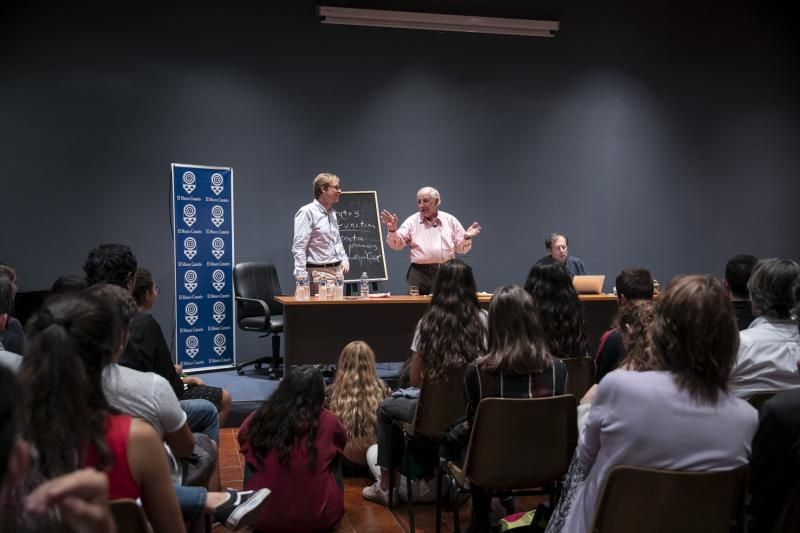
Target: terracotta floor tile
[230, 472]
[229, 459]
[371, 516]
[236, 485]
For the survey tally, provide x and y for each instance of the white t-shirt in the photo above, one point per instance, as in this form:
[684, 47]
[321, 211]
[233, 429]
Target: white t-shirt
[144, 395]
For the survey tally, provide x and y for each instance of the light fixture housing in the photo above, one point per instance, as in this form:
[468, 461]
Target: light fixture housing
[437, 22]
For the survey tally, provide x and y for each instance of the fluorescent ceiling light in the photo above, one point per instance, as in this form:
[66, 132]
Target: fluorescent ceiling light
[437, 22]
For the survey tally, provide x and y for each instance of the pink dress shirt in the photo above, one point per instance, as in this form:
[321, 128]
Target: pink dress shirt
[430, 242]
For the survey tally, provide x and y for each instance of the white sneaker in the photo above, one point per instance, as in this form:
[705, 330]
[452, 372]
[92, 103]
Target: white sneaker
[376, 494]
[424, 491]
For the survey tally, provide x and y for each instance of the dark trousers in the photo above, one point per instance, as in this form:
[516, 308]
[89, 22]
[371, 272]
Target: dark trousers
[390, 438]
[422, 276]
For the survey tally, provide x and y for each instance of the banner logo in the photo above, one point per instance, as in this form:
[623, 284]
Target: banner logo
[190, 280]
[219, 279]
[189, 247]
[218, 246]
[192, 344]
[219, 312]
[189, 182]
[217, 214]
[191, 313]
[219, 343]
[189, 215]
[216, 183]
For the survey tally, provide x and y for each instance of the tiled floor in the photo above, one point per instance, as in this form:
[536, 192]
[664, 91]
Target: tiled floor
[360, 516]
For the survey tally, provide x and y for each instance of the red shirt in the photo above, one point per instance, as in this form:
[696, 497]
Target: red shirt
[302, 499]
[120, 479]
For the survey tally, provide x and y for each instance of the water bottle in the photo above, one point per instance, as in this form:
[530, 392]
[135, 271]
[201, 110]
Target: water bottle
[364, 285]
[338, 293]
[299, 290]
[306, 287]
[323, 288]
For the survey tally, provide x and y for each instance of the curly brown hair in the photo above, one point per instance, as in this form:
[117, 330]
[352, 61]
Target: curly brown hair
[633, 320]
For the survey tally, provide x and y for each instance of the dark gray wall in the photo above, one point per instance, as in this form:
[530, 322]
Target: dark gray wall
[665, 135]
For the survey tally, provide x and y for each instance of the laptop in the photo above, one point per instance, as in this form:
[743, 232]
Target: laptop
[588, 284]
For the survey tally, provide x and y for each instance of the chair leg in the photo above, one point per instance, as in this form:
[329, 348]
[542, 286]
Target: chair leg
[454, 499]
[438, 499]
[410, 504]
[391, 487]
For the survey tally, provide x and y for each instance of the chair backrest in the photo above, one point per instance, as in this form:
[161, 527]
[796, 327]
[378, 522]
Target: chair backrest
[758, 398]
[645, 499]
[580, 375]
[128, 516]
[521, 443]
[441, 402]
[260, 281]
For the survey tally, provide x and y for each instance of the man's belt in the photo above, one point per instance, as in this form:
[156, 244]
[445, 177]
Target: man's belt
[323, 265]
[426, 266]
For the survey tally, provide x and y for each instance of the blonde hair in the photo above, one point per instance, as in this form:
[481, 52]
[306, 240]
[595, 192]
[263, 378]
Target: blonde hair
[357, 392]
[323, 181]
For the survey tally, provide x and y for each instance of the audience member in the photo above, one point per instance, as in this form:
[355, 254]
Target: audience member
[68, 283]
[116, 264]
[451, 334]
[148, 341]
[12, 338]
[769, 350]
[354, 398]
[147, 395]
[292, 445]
[681, 417]
[632, 284]
[737, 274]
[560, 311]
[556, 245]
[67, 419]
[81, 496]
[633, 321]
[775, 465]
[518, 365]
[7, 359]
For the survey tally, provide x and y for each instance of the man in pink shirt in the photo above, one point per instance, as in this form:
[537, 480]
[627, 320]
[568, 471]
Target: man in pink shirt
[433, 237]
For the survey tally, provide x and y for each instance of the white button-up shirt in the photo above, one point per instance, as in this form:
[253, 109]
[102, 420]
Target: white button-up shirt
[431, 242]
[316, 237]
[769, 351]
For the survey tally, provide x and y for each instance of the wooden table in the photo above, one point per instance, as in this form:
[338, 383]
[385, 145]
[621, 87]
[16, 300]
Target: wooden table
[315, 331]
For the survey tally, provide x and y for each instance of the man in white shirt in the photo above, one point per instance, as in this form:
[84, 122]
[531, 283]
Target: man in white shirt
[769, 350]
[317, 246]
[432, 236]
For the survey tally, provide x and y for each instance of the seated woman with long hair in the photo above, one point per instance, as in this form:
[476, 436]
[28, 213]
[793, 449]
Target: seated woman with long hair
[69, 422]
[681, 416]
[560, 311]
[518, 365]
[292, 446]
[451, 334]
[633, 320]
[354, 398]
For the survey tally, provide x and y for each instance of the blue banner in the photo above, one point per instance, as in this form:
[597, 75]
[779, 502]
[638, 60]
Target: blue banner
[203, 234]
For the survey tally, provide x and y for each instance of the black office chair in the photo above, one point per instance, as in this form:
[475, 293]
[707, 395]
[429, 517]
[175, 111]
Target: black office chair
[256, 285]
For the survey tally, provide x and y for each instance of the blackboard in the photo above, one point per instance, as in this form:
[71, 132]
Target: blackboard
[362, 234]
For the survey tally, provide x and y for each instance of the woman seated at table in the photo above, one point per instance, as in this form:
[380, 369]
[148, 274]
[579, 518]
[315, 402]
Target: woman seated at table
[451, 334]
[679, 417]
[518, 365]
